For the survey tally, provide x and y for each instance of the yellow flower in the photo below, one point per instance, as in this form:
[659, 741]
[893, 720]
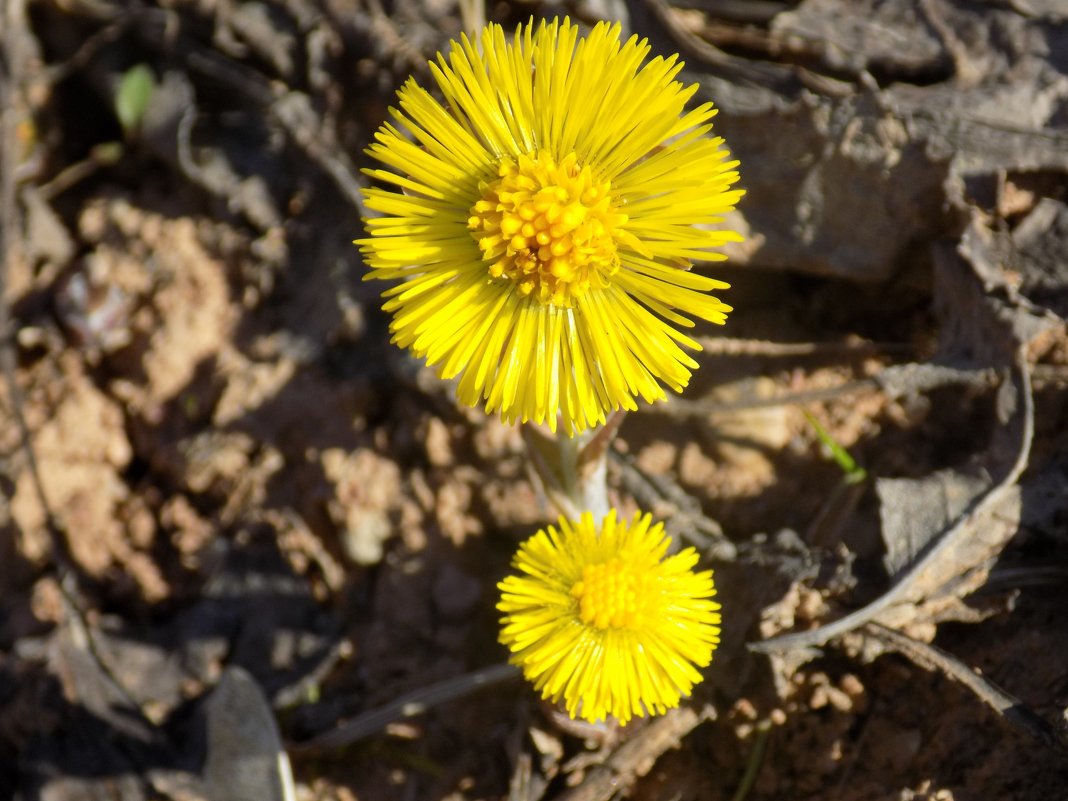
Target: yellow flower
[544, 220]
[603, 621]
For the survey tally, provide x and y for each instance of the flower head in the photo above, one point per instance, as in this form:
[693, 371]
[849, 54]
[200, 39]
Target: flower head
[602, 620]
[545, 219]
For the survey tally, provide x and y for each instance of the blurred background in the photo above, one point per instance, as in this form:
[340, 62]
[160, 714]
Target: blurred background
[235, 517]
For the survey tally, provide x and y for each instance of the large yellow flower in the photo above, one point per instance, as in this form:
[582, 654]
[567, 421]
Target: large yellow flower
[603, 621]
[544, 221]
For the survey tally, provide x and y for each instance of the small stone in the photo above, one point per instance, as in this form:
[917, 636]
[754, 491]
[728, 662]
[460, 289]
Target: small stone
[365, 534]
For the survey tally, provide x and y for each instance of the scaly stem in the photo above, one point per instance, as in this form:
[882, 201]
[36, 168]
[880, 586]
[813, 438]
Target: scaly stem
[574, 470]
[584, 482]
[473, 14]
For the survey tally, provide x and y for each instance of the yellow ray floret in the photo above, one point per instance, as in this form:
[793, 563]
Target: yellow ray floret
[600, 619]
[541, 222]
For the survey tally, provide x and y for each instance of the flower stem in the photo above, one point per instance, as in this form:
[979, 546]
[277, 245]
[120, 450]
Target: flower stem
[585, 483]
[473, 14]
[574, 470]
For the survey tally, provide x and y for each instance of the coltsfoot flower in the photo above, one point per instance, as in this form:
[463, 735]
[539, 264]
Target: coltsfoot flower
[602, 620]
[544, 220]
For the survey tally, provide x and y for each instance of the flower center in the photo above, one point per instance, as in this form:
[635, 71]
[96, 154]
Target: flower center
[548, 227]
[612, 595]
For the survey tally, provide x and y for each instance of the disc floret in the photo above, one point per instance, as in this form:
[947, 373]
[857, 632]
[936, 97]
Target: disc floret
[612, 595]
[549, 227]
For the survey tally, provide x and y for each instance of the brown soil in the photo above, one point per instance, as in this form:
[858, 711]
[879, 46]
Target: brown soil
[239, 469]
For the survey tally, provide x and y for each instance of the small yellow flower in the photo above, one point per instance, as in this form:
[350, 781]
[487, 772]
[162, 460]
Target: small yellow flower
[543, 222]
[602, 620]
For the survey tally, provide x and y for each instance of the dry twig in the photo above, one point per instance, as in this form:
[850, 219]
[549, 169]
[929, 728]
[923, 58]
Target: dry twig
[938, 546]
[13, 39]
[407, 706]
[637, 755]
[291, 110]
[740, 69]
[1007, 707]
[666, 499]
[897, 381]
[730, 346]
